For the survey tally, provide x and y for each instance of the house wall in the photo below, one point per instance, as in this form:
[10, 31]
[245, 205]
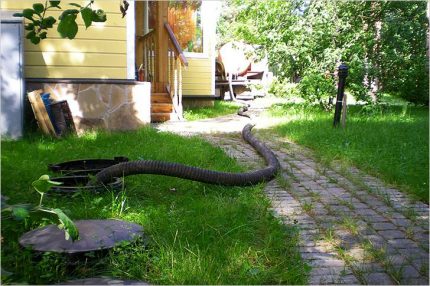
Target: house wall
[199, 76]
[98, 52]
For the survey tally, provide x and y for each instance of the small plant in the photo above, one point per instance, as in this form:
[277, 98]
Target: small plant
[409, 232]
[350, 224]
[410, 213]
[329, 236]
[22, 211]
[118, 203]
[346, 203]
[308, 207]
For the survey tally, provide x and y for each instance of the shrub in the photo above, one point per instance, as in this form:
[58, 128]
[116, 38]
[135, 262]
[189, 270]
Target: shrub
[284, 89]
[315, 87]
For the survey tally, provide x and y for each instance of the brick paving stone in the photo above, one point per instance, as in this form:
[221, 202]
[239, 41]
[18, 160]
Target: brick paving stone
[391, 234]
[402, 243]
[379, 279]
[409, 272]
[349, 279]
[414, 252]
[403, 222]
[322, 279]
[383, 226]
[416, 281]
[333, 262]
[331, 270]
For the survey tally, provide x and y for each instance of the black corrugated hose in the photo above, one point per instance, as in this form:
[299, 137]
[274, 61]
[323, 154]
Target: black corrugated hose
[198, 174]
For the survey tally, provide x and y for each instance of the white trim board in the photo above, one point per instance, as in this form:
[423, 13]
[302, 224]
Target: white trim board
[131, 36]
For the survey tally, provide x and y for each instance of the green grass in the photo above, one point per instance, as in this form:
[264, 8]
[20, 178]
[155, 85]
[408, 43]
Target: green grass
[197, 233]
[391, 142]
[220, 108]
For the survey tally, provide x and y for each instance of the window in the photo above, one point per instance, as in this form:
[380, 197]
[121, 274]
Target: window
[185, 18]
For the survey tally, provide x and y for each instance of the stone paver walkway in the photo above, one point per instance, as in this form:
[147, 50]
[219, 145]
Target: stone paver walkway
[353, 228]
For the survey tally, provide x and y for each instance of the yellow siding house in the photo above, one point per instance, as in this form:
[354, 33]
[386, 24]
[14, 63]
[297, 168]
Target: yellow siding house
[111, 52]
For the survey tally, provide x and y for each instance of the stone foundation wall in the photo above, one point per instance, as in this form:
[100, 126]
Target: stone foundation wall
[111, 106]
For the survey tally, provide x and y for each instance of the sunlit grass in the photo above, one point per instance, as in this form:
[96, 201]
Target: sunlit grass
[220, 108]
[387, 141]
[196, 233]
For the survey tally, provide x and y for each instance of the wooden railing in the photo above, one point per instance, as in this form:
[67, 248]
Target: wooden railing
[149, 68]
[176, 60]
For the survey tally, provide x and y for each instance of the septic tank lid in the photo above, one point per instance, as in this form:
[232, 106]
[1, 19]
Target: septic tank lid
[94, 235]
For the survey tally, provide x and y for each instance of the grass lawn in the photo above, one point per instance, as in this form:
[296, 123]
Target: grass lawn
[391, 142]
[197, 233]
[220, 108]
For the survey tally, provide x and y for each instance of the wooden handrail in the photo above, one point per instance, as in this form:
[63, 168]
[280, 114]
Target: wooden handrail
[177, 48]
[142, 37]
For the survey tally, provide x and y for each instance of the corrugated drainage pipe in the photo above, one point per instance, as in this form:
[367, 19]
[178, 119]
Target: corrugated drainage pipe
[198, 174]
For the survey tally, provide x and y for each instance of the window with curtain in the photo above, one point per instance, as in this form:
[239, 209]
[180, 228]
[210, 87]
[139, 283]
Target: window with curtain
[185, 18]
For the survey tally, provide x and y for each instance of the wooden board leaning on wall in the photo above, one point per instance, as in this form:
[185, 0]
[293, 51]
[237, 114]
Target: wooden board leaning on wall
[40, 112]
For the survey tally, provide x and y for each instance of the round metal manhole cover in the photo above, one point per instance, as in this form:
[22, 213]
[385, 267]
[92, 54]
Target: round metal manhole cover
[94, 235]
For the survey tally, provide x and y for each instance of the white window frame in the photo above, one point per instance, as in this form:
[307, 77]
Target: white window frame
[205, 53]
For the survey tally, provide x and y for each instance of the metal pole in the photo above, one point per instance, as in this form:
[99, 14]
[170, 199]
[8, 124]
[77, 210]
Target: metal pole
[343, 73]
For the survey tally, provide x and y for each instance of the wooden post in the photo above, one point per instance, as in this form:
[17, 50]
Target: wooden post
[161, 44]
[344, 108]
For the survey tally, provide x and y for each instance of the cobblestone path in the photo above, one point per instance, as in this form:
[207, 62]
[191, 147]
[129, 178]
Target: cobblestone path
[353, 228]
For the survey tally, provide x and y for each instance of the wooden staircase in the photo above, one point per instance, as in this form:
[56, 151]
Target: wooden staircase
[161, 61]
[161, 107]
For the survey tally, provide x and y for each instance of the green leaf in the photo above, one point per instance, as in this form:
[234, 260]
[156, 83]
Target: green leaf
[43, 184]
[68, 27]
[48, 22]
[38, 8]
[20, 213]
[29, 27]
[70, 229]
[35, 40]
[42, 35]
[28, 13]
[54, 3]
[99, 16]
[68, 12]
[29, 36]
[76, 5]
[18, 15]
[87, 16]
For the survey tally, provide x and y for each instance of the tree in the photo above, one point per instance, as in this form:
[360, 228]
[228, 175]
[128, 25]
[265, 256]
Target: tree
[39, 22]
[384, 43]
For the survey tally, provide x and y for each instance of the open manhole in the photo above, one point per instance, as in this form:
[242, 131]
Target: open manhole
[73, 184]
[94, 235]
[85, 166]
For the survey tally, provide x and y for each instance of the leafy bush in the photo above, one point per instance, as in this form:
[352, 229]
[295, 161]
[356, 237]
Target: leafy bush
[284, 88]
[317, 88]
